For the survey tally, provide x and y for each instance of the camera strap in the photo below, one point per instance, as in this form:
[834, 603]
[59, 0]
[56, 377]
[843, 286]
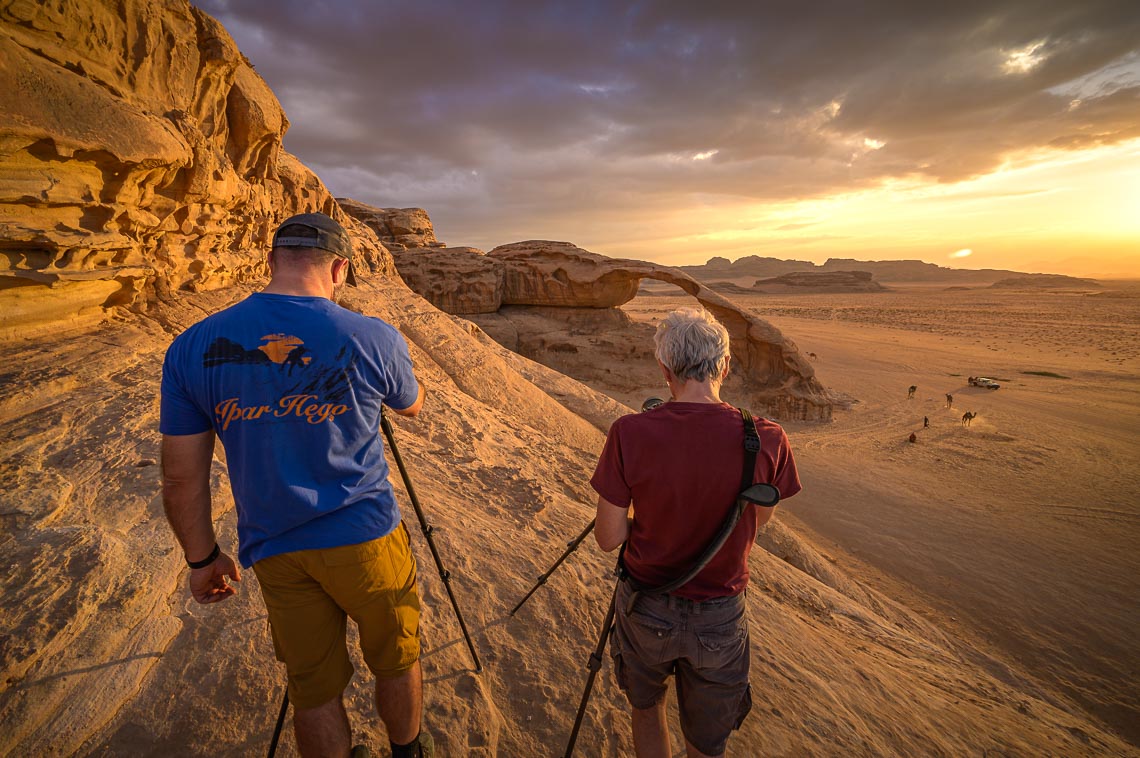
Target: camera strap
[751, 450]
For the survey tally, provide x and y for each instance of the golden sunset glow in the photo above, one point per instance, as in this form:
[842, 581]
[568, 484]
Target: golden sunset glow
[1066, 212]
[675, 134]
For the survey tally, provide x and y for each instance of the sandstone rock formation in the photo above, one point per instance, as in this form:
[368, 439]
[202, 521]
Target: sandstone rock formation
[459, 280]
[558, 276]
[883, 271]
[140, 155]
[540, 272]
[397, 228]
[604, 348]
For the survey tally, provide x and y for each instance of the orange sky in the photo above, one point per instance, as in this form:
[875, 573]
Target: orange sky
[1071, 212]
[674, 132]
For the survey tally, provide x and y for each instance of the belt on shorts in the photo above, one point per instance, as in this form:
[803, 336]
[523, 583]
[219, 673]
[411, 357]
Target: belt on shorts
[675, 601]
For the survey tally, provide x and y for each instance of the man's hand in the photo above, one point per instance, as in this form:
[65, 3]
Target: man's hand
[209, 584]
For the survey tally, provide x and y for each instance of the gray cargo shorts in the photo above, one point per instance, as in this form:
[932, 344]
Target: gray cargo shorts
[704, 644]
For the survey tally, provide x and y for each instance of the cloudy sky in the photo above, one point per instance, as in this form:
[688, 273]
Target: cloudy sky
[999, 133]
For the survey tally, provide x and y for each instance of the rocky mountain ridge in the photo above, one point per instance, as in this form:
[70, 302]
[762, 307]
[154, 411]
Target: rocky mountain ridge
[882, 271]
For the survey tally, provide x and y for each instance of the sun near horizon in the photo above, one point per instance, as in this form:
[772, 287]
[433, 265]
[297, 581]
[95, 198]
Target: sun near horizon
[1064, 212]
[675, 134]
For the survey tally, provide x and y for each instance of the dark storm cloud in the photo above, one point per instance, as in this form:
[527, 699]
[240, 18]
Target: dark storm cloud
[500, 115]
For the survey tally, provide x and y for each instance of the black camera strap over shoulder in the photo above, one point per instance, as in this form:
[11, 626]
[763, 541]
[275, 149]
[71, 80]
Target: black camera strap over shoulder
[751, 449]
[748, 473]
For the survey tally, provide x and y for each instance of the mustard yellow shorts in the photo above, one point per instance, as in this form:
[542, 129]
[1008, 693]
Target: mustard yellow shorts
[311, 593]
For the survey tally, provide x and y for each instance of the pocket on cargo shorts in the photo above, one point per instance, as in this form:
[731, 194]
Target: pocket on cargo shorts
[718, 648]
[651, 636]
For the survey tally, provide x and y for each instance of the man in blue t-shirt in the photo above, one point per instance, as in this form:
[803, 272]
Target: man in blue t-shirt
[293, 386]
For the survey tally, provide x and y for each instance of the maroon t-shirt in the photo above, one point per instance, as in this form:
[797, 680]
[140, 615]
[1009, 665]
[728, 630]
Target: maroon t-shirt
[680, 466]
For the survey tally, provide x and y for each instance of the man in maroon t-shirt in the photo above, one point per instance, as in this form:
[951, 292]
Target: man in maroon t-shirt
[679, 465]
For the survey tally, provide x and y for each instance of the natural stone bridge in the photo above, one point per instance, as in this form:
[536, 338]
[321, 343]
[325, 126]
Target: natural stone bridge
[778, 378]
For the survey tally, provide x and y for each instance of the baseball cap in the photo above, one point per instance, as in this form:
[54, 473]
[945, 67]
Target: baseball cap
[330, 236]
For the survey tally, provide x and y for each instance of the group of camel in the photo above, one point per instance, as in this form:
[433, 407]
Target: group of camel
[967, 417]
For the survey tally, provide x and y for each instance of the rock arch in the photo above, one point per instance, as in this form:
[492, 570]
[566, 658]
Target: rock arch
[778, 380]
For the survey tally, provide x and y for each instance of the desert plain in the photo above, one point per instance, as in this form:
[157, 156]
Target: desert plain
[1020, 530]
[972, 593]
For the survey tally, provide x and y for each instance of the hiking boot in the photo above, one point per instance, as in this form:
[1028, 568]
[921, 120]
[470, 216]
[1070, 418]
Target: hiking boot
[427, 745]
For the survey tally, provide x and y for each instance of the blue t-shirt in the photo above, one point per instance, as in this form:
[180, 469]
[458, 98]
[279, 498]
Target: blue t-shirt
[293, 388]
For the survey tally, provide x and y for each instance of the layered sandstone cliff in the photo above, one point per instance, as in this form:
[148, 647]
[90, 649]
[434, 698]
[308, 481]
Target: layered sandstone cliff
[140, 156]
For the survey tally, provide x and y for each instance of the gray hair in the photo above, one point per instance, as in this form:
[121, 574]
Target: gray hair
[692, 344]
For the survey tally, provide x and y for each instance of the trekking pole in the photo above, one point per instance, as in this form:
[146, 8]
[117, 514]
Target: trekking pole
[573, 545]
[594, 665]
[280, 723]
[427, 529]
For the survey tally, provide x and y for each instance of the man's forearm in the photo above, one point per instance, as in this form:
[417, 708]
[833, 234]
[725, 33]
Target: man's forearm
[188, 509]
[186, 492]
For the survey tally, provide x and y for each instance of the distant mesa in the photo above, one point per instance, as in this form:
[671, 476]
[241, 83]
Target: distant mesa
[822, 281]
[836, 282]
[1044, 281]
[719, 268]
[748, 266]
[725, 288]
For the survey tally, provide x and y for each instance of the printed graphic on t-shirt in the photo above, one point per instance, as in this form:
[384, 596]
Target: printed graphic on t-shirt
[316, 396]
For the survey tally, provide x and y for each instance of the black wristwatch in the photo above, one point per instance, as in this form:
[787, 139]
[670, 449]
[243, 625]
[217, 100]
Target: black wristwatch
[213, 556]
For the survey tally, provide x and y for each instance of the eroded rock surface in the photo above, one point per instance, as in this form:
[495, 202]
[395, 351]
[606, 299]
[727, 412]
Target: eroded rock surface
[103, 652]
[397, 228]
[560, 279]
[140, 155]
[459, 280]
[540, 272]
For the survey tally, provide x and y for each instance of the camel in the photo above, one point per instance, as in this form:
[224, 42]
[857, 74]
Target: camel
[949, 400]
[910, 392]
[967, 417]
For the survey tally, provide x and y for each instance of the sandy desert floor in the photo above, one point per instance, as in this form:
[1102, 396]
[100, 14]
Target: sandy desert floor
[1020, 530]
[970, 594]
